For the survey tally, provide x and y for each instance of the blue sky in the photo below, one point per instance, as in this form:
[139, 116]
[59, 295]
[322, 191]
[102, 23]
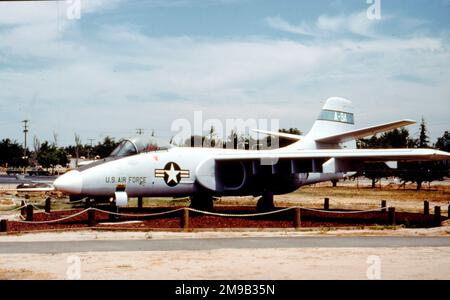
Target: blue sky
[142, 64]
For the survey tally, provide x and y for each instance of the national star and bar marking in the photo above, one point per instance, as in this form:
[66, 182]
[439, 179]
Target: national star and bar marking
[172, 174]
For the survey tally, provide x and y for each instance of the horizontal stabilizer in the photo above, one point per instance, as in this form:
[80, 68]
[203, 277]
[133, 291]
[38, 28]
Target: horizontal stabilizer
[288, 136]
[392, 164]
[360, 133]
[36, 190]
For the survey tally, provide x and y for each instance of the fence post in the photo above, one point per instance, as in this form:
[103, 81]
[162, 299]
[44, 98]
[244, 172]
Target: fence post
[297, 218]
[88, 203]
[140, 202]
[185, 219]
[113, 209]
[91, 218]
[391, 216]
[23, 210]
[29, 217]
[426, 207]
[437, 215]
[3, 225]
[48, 204]
[326, 204]
[383, 205]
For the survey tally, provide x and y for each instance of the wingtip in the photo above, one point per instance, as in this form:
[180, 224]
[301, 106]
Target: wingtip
[443, 153]
[409, 121]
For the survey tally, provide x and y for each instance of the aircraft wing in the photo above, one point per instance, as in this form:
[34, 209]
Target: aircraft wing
[35, 190]
[371, 155]
[360, 133]
[213, 173]
[35, 187]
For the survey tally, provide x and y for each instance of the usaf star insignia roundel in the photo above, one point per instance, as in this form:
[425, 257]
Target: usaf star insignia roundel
[172, 174]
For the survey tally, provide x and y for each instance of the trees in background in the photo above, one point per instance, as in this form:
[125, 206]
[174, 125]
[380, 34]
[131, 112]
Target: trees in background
[416, 172]
[424, 171]
[397, 138]
[102, 149]
[443, 143]
[423, 140]
[237, 140]
[50, 156]
[12, 154]
[291, 131]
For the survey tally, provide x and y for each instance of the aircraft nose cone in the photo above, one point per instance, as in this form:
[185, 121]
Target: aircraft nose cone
[69, 183]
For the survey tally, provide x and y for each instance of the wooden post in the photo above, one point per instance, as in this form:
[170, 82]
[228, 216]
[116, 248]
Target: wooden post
[326, 204]
[391, 216]
[383, 205]
[3, 225]
[437, 216]
[185, 219]
[29, 217]
[140, 200]
[114, 209]
[88, 203]
[297, 218]
[426, 208]
[91, 218]
[23, 210]
[48, 204]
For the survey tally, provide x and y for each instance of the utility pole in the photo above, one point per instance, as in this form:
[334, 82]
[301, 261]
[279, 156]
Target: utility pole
[89, 153]
[140, 131]
[25, 131]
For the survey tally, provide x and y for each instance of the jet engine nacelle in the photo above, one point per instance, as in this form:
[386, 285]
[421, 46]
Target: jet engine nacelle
[221, 177]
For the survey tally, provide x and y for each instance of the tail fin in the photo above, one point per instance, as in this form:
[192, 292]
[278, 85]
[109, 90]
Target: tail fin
[336, 117]
[334, 128]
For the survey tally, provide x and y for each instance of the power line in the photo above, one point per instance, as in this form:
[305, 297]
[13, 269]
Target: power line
[140, 131]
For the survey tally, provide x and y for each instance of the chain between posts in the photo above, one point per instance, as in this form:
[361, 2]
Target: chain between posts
[197, 211]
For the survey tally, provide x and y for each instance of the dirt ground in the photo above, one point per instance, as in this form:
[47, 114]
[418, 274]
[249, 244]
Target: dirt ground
[264, 264]
[305, 263]
[359, 195]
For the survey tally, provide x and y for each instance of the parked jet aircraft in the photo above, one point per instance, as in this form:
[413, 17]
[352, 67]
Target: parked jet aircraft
[154, 169]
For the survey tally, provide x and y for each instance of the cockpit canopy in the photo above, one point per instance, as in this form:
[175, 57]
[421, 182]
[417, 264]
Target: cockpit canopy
[139, 144]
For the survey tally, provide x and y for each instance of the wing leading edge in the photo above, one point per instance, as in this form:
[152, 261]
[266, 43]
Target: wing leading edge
[371, 155]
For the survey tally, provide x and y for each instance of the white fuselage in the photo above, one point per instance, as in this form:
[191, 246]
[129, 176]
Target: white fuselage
[183, 171]
[138, 175]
